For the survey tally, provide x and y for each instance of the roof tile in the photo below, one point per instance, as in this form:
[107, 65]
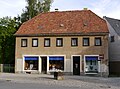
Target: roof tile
[81, 21]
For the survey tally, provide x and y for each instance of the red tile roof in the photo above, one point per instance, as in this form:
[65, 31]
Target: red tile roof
[65, 22]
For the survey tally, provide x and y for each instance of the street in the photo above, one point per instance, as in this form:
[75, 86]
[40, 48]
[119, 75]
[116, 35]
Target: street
[10, 85]
[40, 81]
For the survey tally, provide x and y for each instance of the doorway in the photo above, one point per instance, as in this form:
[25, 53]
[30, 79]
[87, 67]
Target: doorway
[76, 65]
[44, 64]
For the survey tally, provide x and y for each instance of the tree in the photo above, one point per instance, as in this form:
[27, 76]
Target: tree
[7, 40]
[34, 7]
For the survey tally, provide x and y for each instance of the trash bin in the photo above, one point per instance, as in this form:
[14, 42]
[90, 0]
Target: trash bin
[58, 75]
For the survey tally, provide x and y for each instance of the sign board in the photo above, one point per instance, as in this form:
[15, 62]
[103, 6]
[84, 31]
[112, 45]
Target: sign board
[101, 56]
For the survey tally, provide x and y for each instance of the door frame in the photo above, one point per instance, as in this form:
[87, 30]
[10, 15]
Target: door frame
[42, 63]
[72, 62]
[85, 64]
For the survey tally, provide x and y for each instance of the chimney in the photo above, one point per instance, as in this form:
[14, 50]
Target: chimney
[85, 8]
[56, 9]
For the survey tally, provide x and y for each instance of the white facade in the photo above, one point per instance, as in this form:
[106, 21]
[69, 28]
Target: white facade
[114, 47]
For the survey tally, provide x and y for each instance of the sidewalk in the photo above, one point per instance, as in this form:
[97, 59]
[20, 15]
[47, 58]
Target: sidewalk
[69, 81]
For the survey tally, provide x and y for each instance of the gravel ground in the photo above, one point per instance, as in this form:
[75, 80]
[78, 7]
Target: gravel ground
[71, 82]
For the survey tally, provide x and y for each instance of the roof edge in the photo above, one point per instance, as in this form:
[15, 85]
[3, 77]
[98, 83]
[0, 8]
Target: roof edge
[63, 34]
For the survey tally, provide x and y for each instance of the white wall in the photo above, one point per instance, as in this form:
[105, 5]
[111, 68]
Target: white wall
[19, 64]
[114, 47]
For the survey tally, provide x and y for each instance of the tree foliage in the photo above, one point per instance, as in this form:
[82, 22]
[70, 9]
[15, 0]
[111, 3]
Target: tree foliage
[34, 7]
[7, 40]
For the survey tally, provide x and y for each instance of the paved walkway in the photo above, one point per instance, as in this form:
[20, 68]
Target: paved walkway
[82, 82]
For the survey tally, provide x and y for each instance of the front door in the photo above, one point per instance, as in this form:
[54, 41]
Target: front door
[76, 65]
[44, 64]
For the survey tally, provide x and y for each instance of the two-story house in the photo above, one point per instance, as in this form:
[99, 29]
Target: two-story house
[75, 42]
[114, 45]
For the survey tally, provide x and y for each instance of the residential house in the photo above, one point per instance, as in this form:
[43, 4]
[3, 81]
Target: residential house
[75, 42]
[114, 45]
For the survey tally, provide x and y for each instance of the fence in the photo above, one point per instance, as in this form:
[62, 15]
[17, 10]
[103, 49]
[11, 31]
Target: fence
[7, 68]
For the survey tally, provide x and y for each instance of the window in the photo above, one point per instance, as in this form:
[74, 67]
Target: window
[74, 41]
[59, 42]
[23, 42]
[47, 42]
[31, 63]
[91, 64]
[112, 39]
[56, 63]
[85, 41]
[35, 42]
[98, 41]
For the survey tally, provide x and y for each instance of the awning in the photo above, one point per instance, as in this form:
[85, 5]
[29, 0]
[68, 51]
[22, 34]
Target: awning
[31, 58]
[91, 58]
[56, 58]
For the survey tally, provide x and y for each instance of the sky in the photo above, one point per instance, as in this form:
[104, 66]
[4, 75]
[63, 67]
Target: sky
[109, 8]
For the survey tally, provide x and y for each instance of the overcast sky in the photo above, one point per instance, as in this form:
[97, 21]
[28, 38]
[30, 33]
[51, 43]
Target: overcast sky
[109, 8]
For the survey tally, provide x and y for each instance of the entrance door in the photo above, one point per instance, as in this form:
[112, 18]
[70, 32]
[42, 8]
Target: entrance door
[44, 64]
[76, 65]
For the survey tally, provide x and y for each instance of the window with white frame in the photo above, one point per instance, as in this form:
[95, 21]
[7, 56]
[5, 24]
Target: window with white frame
[91, 64]
[31, 62]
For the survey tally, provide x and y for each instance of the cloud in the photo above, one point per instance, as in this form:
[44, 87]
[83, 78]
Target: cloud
[102, 8]
[108, 8]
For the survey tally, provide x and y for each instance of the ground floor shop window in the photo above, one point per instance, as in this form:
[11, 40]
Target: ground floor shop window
[56, 63]
[31, 63]
[91, 64]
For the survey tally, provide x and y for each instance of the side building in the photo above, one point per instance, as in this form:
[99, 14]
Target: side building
[75, 42]
[114, 45]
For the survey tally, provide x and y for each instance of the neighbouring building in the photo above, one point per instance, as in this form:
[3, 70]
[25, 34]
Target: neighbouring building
[114, 45]
[75, 42]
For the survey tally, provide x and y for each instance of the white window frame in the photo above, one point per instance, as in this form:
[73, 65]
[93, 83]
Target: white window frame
[24, 62]
[85, 64]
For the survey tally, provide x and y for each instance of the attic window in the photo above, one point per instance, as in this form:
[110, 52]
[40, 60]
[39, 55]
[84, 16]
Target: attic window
[40, 27]
[61, 25]
[85, 24]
